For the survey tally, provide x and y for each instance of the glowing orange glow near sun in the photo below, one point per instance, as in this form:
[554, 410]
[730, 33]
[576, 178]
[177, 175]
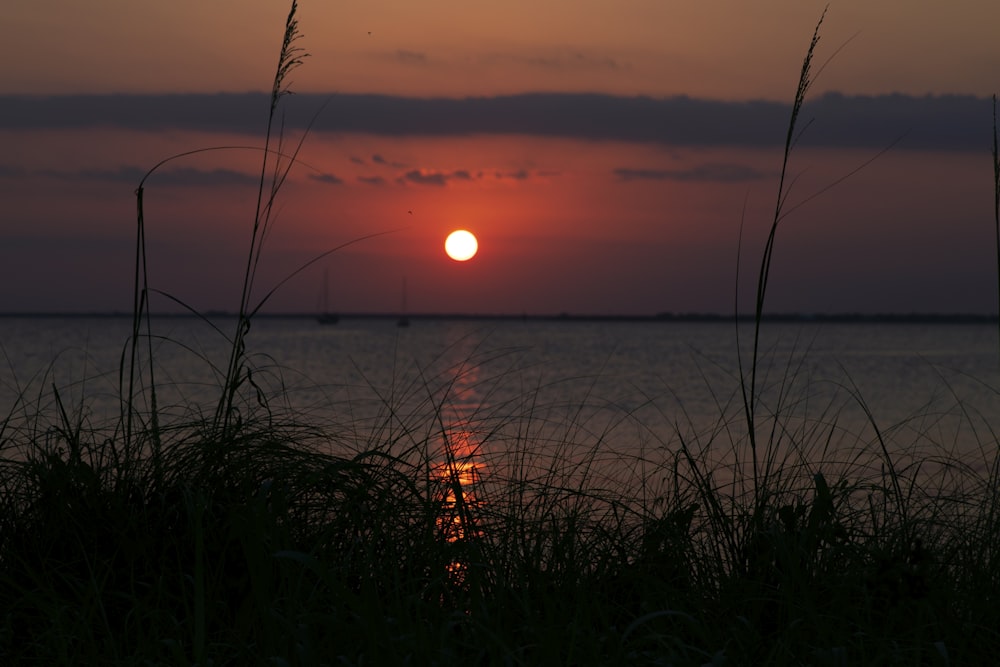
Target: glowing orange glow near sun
[461, 245]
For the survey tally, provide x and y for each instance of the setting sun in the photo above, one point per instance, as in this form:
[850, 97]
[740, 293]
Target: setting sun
[461, 245]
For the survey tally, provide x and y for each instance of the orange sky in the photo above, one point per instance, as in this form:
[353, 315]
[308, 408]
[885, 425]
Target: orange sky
[572, 214]
[726, 49]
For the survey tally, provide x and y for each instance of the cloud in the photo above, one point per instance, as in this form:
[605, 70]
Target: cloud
[371, 180]
[326, 178]
[432, 177]
[179, 176]
[378, 159]
[189, 176]
[947, 122]
[519, 175]
[555, 60]
[8, 171]
[421, 177]
[410, 57]
[572, 61]
[717, 172]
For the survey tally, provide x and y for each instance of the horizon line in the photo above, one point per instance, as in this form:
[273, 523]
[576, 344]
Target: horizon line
[844, 317]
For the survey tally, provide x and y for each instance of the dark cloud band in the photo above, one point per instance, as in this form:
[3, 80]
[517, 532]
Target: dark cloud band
[950, 122]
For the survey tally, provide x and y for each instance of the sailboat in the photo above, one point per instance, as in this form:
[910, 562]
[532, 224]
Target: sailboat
[325, 316]
[404, 320]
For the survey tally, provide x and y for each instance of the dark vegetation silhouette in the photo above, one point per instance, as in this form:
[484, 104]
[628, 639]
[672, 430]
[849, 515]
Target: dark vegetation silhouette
[245, 534]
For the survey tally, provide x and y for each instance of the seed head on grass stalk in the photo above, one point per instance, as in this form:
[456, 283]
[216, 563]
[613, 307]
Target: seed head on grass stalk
[782, 210]
[749, 397]
[291, 56]
[276, 164]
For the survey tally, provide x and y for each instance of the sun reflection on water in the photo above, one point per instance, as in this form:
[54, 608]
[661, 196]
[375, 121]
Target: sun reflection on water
[459, 475]
[458, 468]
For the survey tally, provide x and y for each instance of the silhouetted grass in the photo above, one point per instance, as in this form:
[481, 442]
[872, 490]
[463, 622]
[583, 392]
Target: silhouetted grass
[514, 534]
[996, 203]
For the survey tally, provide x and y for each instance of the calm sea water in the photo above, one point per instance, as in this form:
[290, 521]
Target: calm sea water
[635, 387]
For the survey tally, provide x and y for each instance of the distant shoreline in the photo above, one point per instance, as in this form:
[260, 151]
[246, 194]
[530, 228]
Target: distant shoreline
[846, 318]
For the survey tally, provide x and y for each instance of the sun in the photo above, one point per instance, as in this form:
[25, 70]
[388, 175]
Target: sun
[461, 245]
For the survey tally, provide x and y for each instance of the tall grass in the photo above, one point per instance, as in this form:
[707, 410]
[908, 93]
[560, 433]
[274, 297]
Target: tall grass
[996, 207]
[508, 530]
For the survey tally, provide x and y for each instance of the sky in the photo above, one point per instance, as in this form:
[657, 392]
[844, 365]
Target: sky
[611, 157]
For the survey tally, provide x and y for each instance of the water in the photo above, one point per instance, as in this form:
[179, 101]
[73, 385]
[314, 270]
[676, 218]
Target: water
[625, 392]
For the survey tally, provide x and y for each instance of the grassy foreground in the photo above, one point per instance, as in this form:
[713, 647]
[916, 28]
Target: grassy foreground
[246, 536]
[265, 548]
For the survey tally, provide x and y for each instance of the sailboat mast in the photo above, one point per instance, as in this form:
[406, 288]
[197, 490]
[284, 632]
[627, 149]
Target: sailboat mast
[404, 320]
[325, 316]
